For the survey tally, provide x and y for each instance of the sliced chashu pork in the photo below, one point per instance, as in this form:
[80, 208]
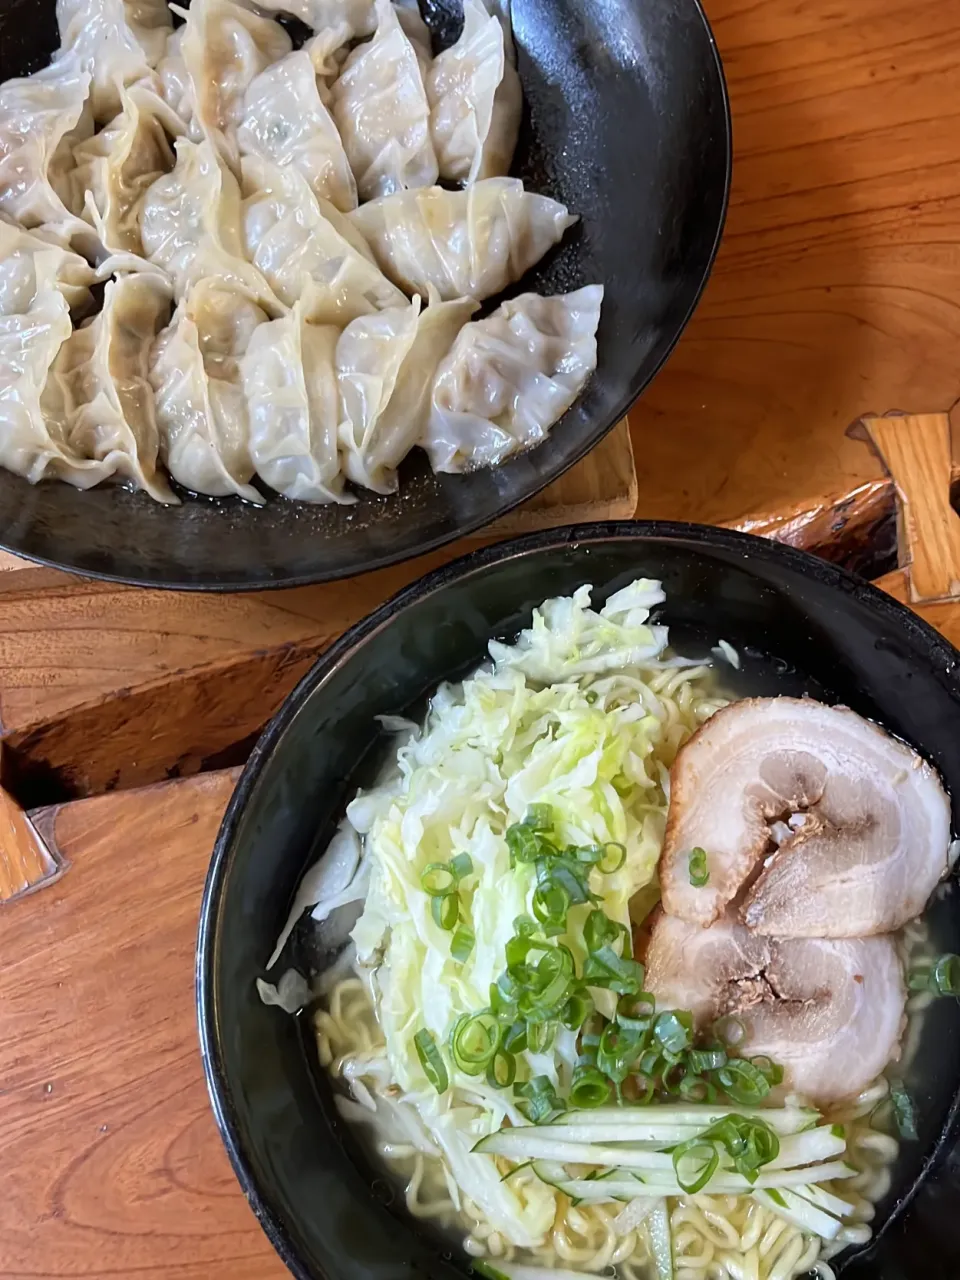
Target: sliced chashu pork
[823, 824]
[829, 1011]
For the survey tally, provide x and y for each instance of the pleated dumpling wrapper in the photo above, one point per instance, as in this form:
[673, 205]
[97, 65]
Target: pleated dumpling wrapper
[465, 244]
[510, 377]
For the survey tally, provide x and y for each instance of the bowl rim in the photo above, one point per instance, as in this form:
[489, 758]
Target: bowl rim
[934, 646]
[544, 477]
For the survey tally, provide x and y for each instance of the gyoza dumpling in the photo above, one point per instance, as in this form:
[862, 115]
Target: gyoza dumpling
[115, 167]
[384, 419]
[175, 85]
[119, 40]
[470, 243]
[328, 51]
[72, 274]
[97, 397]
[29, 341]
[225, 46]
[306, 249]
[509, 378]
[201, 409]
[290, 382]
[381, 109]
[357, 16]
[370, 353]
[42, 117]
[190, 225]
[285, 122]
[475, 100]
[416, 31]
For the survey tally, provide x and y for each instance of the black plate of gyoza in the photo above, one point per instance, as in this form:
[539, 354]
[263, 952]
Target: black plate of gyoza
[626, 121]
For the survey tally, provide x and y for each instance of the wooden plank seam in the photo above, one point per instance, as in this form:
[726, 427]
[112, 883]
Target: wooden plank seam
[26, 862]
[915, 449]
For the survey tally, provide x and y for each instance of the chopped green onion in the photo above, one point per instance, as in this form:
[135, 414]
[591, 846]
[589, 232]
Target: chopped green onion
[614, 856]
[462, 943]
[438, 880]
[699, 873]
[514, 1039]
[550, 904]
[539, 1099]
[590, 1042]
[527, 845]
[694, 1163]
[474, 1041]
[772, 1071]
[673, 1077]
[650, 1063]
[539, 817]
[568, 873]
[695, 1089]
[904, 1112]
[503, 997]
[942, 977]
[486, 1269]
[743, 1081]
[445, 911]
[431, 1061]
[750, 1143]
[617, 1052]
[461, 866]
[525, 926]
[576, 1011]
[645, 1089]
[589, 1088]
[554, 974]
[701, 1060]
[635, 1012]
[674, 1030]
[540, 1036]
[730, 1030]
[518, 948]
[597, 931]
[604, 968]
[502, 1070]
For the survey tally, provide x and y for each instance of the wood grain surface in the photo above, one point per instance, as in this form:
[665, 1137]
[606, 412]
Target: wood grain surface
[112, 1166]
[915, 448]
[602, 486]
[26, 864]
[835, 296]
[837, 289]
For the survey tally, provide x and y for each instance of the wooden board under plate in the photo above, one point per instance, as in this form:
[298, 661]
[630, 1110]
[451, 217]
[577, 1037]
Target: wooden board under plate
[112, 1164]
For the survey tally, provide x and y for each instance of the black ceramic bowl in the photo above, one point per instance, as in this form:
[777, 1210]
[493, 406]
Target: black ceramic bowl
[801, 625]
[626, 121]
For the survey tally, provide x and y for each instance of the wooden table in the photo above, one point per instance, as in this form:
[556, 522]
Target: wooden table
[837, 289]
[835, 294]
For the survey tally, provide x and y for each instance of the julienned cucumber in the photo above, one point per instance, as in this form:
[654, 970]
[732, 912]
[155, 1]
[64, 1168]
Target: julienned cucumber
[782, 1119]
[536, 1143]
[626, 1184]
[661, 1241]
[800, 1212]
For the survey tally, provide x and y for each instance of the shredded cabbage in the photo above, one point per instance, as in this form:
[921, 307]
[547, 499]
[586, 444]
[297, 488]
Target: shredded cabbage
[584, 713]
